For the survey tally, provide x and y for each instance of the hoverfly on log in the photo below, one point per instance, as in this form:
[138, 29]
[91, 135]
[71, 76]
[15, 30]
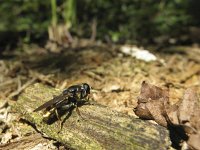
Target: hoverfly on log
[70, 98]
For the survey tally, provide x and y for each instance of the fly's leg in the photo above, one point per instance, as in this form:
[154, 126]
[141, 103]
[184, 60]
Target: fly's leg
[79, 114]
[60, 122]
[89, 100]
[69, 112]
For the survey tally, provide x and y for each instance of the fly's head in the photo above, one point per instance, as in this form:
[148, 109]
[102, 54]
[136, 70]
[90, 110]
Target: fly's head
[85, 90]
[77, 93]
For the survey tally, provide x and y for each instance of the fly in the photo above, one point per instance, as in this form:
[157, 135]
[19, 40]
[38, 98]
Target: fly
[70, 98]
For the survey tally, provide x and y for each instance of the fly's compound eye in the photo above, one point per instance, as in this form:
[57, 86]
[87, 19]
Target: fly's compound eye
[86, 88]
[83, 94]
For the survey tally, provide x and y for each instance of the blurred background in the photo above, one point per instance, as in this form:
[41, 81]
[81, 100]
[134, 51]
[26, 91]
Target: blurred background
[123, 21]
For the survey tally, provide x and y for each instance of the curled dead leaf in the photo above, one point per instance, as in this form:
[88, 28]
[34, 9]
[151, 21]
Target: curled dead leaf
[186, 108]
[153, 103]
[152, 92]
[142, 111]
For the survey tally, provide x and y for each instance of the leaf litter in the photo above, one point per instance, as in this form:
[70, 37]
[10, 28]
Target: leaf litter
[153, 104]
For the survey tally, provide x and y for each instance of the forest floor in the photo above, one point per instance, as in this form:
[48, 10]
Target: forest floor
[115, 77]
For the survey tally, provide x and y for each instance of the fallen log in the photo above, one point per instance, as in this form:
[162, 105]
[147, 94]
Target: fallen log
[100, 128]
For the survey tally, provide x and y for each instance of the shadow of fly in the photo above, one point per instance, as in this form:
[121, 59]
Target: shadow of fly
[70, 98]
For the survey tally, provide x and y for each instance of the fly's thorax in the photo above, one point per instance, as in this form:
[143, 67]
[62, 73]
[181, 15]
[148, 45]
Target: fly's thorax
[74, 89]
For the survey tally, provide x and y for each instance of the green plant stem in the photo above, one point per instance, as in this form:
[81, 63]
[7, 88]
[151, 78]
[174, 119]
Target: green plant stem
[53, 12]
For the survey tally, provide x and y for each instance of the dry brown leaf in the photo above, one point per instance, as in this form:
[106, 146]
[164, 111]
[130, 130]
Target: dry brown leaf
[158, 111]
[188, 115]
[153, 103]
[194, 141]
[152, 92]
[142, 111]
[186, 108]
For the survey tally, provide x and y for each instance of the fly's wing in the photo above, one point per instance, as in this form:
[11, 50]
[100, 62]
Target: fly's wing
[52, 102]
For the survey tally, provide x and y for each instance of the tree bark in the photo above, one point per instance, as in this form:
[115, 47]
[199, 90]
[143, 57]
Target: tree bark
[100, 127]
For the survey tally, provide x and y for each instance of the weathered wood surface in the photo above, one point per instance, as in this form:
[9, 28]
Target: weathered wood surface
[101, 127]
[26, 143]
